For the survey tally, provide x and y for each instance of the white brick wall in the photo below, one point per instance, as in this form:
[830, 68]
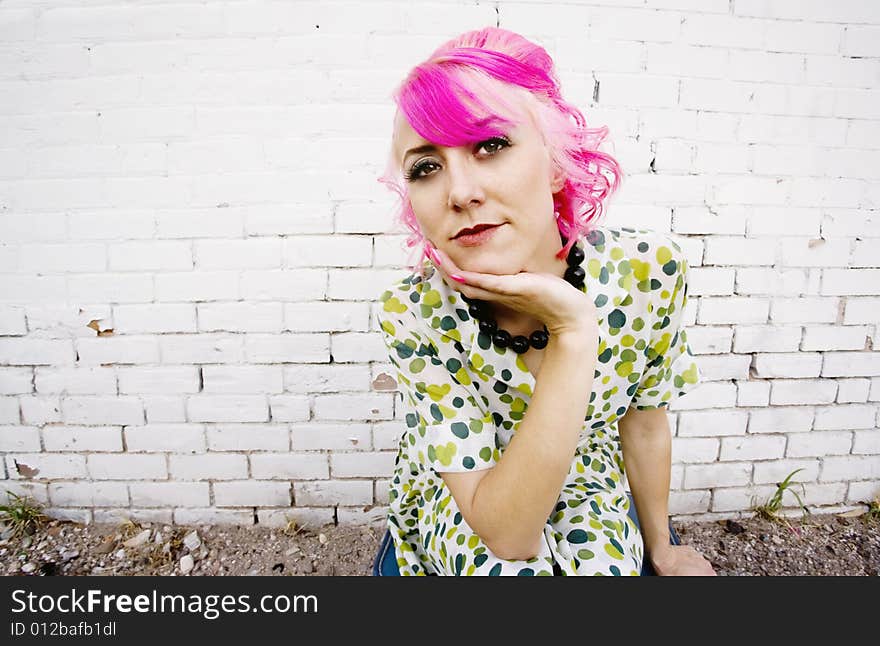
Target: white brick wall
[193, 241]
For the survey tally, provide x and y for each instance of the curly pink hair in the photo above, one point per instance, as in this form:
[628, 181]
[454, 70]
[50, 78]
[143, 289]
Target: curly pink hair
[472, 86]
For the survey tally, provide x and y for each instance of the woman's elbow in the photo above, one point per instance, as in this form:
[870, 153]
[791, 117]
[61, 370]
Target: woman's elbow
[516, 552]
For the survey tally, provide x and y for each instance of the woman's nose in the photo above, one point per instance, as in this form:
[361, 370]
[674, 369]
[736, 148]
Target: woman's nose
[464, 186]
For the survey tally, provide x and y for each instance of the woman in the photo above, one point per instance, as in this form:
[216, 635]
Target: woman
[536, 350]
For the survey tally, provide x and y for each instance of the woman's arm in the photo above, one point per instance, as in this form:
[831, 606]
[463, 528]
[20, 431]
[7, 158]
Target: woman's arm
[647, 455]
[509, 505]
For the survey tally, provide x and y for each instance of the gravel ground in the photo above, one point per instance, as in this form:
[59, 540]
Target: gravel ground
[842, 544]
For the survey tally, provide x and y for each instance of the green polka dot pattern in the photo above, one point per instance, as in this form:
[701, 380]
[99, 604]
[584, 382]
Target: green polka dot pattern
[465, 398]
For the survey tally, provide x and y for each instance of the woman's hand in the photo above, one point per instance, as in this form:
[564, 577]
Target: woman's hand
[680, 560]
[548, 298]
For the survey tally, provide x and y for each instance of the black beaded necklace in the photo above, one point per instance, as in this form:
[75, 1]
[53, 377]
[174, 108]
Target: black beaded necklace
[482, 311]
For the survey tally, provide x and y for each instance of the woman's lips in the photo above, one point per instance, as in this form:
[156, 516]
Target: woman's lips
[478, 238]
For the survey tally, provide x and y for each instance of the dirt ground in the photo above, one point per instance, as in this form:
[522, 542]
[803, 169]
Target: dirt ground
[842, 544]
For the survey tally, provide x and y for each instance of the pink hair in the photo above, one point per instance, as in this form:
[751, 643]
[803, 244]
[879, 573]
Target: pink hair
[471, 87]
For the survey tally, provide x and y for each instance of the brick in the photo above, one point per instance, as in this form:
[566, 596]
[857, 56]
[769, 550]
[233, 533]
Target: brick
[213, 517]
[252, 493]
[362, 464]
[36, 411]
[158, 380]
[815, 252]
[851, 467]
[248, 437]
[818, 444]
[154, 318]
[731, 499]
[312, 517]
[227, 408]
[91, 494]
[710, 281]
[197, 285]
[37, 492]
[333, 492]
[164, 494]
[376, 517]
[304, 379]
[724, 367]
[712, 423]
[851, 364]
[862, 492]
[694, 449]
[150, 255]
[710, 340]
[855, 223]
[346, 437]
[17, 381]
[165, 409]
[31, 352]
[778, 470]
[810, 309]
[767, 338]
[762, 447]
[781, 419]
[707, 395]
[793, 364]
[82, 438]
[784, 221]
[240, 317]
[84, 380]
[688, 502]
[251, 253]
[861, 310]
[172, 438]
[286, 285]
[210, 466]
[289, 408]
[733, 309]
[19, 439]
[357, 347]
[866, 442]
[702, 476]
[802, 391]
[118, 466]
[387, 435]
[723, 250]
[845, 416]
[241, 379]
[102, 410]
[853, 390]
[290, 466]
[353, 407]
[113, 350]
[772, 282]
[752, 393]
[835, 337]
[856, 282]
[287, 348]
[328, 251]
[326, 317]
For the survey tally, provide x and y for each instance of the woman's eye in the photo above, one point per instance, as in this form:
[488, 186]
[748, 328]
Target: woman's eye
[493, 145]
[420, 170]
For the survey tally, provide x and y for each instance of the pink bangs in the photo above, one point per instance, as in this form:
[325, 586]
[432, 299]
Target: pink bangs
[470, 90]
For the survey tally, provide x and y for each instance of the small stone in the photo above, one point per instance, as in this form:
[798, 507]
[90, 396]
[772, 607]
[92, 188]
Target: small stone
[293, 550]
[120, 554]
[192, 541]
[186, 564]
[139, 539]
[106, 547]
[68, 555]
[322, 538]
[28, 568]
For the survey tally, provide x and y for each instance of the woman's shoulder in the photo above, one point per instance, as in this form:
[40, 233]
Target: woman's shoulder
[419, 300]
[649, 254]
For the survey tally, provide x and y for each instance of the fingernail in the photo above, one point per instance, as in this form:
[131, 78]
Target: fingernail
[457, 277]
[433, 256]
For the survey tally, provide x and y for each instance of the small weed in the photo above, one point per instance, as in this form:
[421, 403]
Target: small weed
[22, 514]
[770, 509]
[873, 512]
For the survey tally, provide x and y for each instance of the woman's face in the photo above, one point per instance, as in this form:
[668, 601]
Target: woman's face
[504, 181]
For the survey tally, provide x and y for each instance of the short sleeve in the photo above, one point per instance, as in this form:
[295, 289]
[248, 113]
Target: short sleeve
[671, 369]
[447, 428]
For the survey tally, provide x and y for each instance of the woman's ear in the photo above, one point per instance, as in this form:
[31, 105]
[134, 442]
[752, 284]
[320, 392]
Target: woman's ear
[557, 179]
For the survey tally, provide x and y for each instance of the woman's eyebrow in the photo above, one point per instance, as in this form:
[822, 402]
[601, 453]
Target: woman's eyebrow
[426, 148]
